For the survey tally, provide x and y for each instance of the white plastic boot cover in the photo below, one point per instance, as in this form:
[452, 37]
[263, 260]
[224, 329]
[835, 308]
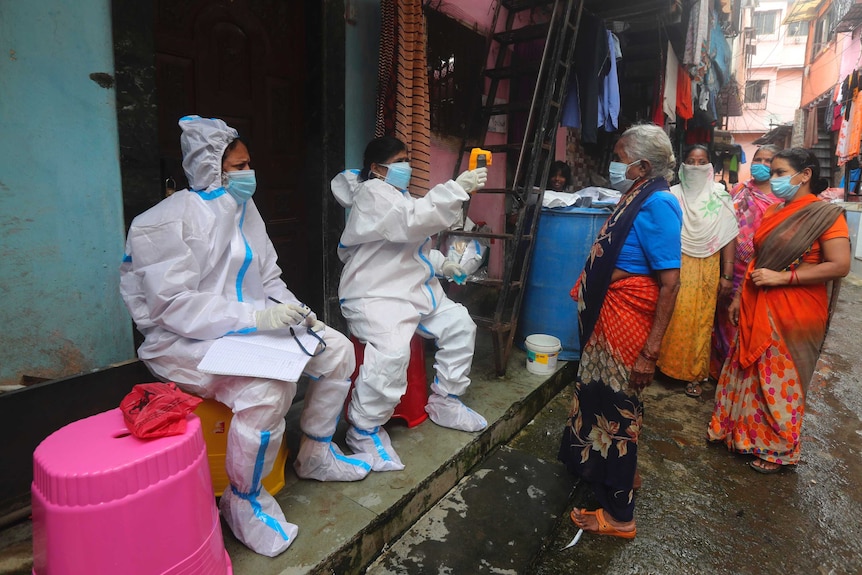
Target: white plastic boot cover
[448, 411]
[376, 443]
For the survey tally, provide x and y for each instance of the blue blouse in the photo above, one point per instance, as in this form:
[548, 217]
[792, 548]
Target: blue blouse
[654, 243]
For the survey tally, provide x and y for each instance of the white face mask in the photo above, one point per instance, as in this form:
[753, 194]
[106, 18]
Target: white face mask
[695, 178]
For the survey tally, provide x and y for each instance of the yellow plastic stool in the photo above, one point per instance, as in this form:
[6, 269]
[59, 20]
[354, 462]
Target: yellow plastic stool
[215, 421]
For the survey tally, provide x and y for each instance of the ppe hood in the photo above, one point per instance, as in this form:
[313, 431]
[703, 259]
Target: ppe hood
[203, 142]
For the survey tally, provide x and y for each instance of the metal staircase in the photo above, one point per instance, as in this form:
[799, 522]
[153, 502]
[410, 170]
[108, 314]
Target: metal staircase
[528, 161]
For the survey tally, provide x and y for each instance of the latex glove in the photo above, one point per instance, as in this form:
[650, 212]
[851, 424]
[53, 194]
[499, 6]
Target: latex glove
[311, 319]
[281, 315]
[454, 272]
[473, 180]
[318, 326]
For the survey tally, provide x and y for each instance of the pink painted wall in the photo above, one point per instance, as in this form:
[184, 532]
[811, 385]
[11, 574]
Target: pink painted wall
[488, 208]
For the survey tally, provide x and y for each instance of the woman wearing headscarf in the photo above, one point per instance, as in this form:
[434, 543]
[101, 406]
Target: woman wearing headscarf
[781, 312]
[709, 233]
[750, 200]
[625, 296]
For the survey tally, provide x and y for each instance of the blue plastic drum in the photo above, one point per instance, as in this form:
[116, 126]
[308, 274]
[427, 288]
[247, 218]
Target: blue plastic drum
[562, 246]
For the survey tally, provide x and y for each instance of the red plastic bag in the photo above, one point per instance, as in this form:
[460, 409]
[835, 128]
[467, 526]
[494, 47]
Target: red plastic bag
[157, 410]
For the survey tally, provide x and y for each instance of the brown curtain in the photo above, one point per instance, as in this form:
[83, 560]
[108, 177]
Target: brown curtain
[402, 98]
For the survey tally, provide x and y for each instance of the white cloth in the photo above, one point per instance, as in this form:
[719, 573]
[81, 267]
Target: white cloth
[552, 199]
[708, 217]
[197, 267]
[670, 78]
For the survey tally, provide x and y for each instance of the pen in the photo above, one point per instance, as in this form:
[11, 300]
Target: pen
[279, 303]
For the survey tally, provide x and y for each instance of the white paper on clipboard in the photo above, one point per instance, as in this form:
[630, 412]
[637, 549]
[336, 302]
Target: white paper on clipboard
[272, 355]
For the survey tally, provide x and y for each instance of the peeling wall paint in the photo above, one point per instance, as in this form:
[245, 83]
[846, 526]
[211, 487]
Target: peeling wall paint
[61, 225]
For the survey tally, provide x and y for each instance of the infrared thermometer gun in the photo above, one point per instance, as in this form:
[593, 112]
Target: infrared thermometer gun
[479, 158]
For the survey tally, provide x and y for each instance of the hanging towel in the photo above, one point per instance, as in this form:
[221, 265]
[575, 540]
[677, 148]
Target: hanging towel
[684, 104]
[670, 84]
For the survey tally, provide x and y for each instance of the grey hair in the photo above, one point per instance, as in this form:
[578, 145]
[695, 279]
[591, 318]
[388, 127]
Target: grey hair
[650, 142]
[768, 148]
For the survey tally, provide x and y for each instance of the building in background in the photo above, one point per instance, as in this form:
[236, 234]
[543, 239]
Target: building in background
[769, 57]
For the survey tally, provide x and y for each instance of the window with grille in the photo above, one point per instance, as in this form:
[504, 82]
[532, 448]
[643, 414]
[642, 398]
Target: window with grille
[766, 22]
[455, 58]
[796, 29]
[824, 31]
[755, 93]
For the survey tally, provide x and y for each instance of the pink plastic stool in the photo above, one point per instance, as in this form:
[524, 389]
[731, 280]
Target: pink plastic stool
[411, 409]
[106, 502]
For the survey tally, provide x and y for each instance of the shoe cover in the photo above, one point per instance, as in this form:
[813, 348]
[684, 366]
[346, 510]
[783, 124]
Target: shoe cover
[258, 521]
[448, 411]
[376, 443]
[324, 461]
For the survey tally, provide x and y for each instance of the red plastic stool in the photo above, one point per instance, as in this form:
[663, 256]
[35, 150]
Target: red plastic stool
[411, 409]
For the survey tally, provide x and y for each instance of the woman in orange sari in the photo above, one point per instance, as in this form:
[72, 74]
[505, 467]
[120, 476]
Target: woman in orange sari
[781, 313]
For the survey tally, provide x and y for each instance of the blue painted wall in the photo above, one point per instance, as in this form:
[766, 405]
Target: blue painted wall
[363, 44]
[61, 225]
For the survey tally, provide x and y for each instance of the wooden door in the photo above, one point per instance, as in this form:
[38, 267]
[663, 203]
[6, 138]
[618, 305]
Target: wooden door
[243, 62]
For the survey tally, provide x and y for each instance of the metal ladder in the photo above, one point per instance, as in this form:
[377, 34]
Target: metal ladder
[530, 159]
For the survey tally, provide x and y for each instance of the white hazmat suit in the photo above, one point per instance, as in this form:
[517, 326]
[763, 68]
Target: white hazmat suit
[199, 265]
[388, 292]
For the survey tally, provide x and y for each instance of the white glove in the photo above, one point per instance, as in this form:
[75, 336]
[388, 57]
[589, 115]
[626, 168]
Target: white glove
[454, 272]
[281, 315]
[311, 319]
[318, 326]
[473, 180]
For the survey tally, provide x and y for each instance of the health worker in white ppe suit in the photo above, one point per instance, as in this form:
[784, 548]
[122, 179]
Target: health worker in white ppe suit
[199, 265]
[389, 291]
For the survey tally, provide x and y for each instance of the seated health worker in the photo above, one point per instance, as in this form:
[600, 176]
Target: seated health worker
[199, 265]
[389, 291]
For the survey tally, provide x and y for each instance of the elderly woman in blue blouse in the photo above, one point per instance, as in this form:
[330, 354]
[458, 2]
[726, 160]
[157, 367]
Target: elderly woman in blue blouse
[626, 295]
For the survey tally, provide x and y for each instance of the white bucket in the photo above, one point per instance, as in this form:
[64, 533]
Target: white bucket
[542, 352]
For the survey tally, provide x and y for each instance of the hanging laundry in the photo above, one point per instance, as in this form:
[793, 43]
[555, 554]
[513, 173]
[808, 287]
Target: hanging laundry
[609, 90]
[696, 57]
[670, 84]
[684, 104]
[719, 53]
[590, 67]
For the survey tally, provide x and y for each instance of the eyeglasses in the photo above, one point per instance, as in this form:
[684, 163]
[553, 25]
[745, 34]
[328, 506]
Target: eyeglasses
[318, 350]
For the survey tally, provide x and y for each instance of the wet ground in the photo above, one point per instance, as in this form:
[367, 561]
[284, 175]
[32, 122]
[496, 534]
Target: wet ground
[701, 509]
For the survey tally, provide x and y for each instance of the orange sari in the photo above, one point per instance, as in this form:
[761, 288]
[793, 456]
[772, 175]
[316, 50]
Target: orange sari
[759, 399]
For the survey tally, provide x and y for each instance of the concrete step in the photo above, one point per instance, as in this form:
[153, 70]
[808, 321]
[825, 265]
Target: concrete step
[343, 527]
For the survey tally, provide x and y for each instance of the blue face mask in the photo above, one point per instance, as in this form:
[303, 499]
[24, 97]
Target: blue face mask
[617, 171]
[241, 185]
[760, 172]
[398, 174]
[782, 188]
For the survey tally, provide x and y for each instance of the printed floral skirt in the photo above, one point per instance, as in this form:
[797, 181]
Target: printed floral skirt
[600, 439]
[758, 409]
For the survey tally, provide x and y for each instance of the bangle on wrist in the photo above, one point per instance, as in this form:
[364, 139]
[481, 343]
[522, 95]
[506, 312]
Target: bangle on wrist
[648, 357]
[793, 278]
[728, 277]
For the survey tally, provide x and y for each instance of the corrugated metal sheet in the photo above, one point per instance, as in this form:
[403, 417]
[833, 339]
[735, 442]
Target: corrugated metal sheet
[803, 10]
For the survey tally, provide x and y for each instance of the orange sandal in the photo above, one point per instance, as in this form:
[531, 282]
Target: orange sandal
[604, 528]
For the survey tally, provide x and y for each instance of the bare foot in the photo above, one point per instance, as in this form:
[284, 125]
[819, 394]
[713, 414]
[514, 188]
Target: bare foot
[588, 521]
